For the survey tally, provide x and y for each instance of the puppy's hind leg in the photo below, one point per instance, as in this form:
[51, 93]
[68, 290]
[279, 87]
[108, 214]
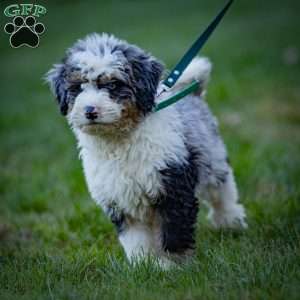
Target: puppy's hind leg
[225, 211]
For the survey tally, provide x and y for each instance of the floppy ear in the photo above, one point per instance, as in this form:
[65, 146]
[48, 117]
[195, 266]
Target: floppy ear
[146, 72]
[56, 78]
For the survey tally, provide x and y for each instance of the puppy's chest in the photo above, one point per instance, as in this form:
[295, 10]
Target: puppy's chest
[130, 184]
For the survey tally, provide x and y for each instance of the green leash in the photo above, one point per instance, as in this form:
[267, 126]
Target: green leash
[189, 89]
[185, 61]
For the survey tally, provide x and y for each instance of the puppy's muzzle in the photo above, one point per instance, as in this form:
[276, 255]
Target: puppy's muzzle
[91, 113]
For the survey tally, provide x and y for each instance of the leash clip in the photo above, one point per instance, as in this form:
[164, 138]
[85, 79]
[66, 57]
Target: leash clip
[162, 88]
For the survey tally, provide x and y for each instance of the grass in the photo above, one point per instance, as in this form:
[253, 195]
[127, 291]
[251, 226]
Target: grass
[55, 243]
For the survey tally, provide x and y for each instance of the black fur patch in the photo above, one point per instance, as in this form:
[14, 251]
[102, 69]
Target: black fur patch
[117, 218]
[64, 89]
[178, 207]
[59, 84]
[144, 72]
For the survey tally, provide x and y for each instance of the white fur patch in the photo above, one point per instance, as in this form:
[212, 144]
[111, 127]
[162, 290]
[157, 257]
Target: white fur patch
[199, 69]
[137, 241]
[127, 173]
[90, 64]
[110, 111]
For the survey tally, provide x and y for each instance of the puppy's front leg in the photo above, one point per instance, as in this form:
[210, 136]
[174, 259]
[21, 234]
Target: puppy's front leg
[135, 237]
[178, 220]
[137, 240]
[178, 208]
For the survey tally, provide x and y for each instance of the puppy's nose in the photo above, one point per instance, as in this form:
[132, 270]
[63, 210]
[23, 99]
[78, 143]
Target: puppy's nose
[91, 112]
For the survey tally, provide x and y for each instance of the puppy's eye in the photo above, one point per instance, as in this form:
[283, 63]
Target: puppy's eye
[75, 88]
[111, 85]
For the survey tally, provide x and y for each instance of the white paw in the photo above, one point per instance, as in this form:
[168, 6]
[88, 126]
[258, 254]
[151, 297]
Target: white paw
[233, 217]
[160, 262]
[165, 263]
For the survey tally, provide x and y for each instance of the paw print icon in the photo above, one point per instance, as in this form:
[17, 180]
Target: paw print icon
[24, 31]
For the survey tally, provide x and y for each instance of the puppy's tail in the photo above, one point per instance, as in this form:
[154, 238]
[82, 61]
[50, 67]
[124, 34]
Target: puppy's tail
[199, 69]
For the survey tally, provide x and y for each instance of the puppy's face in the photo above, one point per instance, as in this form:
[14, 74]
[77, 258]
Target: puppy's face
[104, 85]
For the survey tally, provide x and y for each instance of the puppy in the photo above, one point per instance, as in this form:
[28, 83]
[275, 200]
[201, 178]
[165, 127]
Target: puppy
[147, 170]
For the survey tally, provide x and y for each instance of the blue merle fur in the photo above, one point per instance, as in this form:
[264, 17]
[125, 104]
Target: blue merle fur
[142, 74]
[206, 163]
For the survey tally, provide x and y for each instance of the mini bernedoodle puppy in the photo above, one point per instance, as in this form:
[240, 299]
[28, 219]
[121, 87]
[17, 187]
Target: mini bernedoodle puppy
[147, 170]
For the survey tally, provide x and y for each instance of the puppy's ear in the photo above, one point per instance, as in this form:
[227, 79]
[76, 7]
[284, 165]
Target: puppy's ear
[146, 72]
[56, 78]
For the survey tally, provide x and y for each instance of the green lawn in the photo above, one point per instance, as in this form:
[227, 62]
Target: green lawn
[56, 244]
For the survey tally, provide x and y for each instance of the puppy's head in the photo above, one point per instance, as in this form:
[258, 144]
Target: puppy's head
[105, 85]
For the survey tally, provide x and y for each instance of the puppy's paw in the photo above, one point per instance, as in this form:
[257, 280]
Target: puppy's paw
[232, 218]
[165, 263]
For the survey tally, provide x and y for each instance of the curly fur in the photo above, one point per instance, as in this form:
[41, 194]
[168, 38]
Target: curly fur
[147, 170]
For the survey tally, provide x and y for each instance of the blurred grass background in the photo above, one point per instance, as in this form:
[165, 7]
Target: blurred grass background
[56, 244]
